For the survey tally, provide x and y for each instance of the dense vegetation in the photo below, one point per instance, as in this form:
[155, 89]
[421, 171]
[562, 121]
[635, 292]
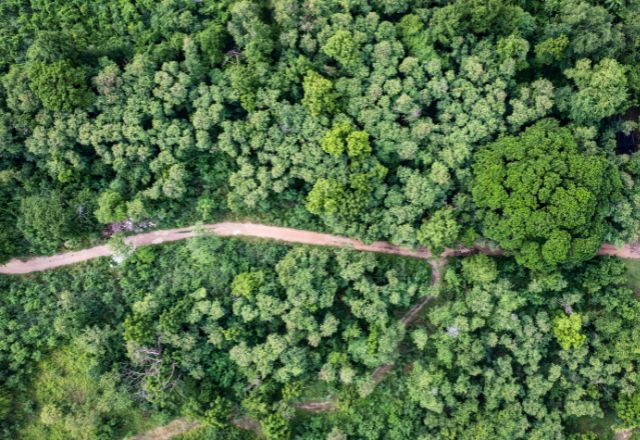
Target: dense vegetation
[203, 328]
[358, 117]
[423, 123]
[219, 329]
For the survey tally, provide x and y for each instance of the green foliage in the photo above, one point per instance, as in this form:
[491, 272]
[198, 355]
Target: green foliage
[486, 350]
[342, 46]
[111, 208]
[246, 284]
[76, 400]
[263, 314]
[342, 137]
[334, 140]
[439, 231]
[59, 85]
[492, 15]
[121, 250]
[319, 97]
[479, 269]
[584, 436]
[628, 410]
[181, 111]
[218, 414]
[45, 221]
[416, 38]
[326, 197]
[358, 144]
[489, 358]
[274, 427]
[551, 50]
[244, 82]
[212, 41]
[206, 433]
[418, 123]
[601, 90]
[567, 330]
[514, 48]
[5, 404]
[541, 198]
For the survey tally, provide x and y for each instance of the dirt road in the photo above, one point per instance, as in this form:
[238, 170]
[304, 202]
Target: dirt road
[225, 229]
[289, 235]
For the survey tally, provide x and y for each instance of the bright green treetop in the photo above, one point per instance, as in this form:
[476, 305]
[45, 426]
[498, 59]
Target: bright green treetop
[542, 199]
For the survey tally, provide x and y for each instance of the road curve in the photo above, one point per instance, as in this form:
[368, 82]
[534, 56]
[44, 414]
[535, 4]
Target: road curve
[225, 229]
[289, 235]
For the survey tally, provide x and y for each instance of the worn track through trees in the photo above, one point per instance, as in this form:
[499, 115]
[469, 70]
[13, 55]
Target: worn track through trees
[330, 404]
[226, 229]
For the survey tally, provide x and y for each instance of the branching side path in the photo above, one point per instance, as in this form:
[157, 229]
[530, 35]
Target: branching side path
[379, 373]
[313, 406]
[289, 235]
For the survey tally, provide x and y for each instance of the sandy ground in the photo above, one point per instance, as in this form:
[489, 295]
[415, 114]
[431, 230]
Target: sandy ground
[289, 235]
[226, 229]
[623, 435]
[170, 430]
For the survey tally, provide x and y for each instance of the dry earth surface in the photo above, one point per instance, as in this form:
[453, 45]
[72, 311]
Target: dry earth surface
[226, 229]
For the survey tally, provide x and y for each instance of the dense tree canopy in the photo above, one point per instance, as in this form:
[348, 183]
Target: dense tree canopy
[540, 196]
[494, 363]
[359, 118]
[509, 123]
[247, 325]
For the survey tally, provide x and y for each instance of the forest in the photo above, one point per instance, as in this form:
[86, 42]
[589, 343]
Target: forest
[504, 125]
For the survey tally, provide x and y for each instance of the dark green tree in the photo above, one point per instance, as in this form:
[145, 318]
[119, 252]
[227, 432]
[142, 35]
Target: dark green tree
[45, 221]
[59, 85]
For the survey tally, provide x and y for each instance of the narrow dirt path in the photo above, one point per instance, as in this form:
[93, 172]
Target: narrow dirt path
[623, 435]
[170, 430]
[318, 406]
[436, 275]
[289, 235]
[183, 425]
[326, 405]
[226, 229]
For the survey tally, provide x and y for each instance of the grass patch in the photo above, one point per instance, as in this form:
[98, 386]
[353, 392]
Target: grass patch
[316, 390]
[600, 426]
[633, 275]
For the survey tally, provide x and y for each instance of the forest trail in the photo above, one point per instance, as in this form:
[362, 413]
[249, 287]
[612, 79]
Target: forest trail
[330, 404]
[225, 229]
[623, 435]
[170, 430]
[436, 274]
[288, 235]
[283, 234]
